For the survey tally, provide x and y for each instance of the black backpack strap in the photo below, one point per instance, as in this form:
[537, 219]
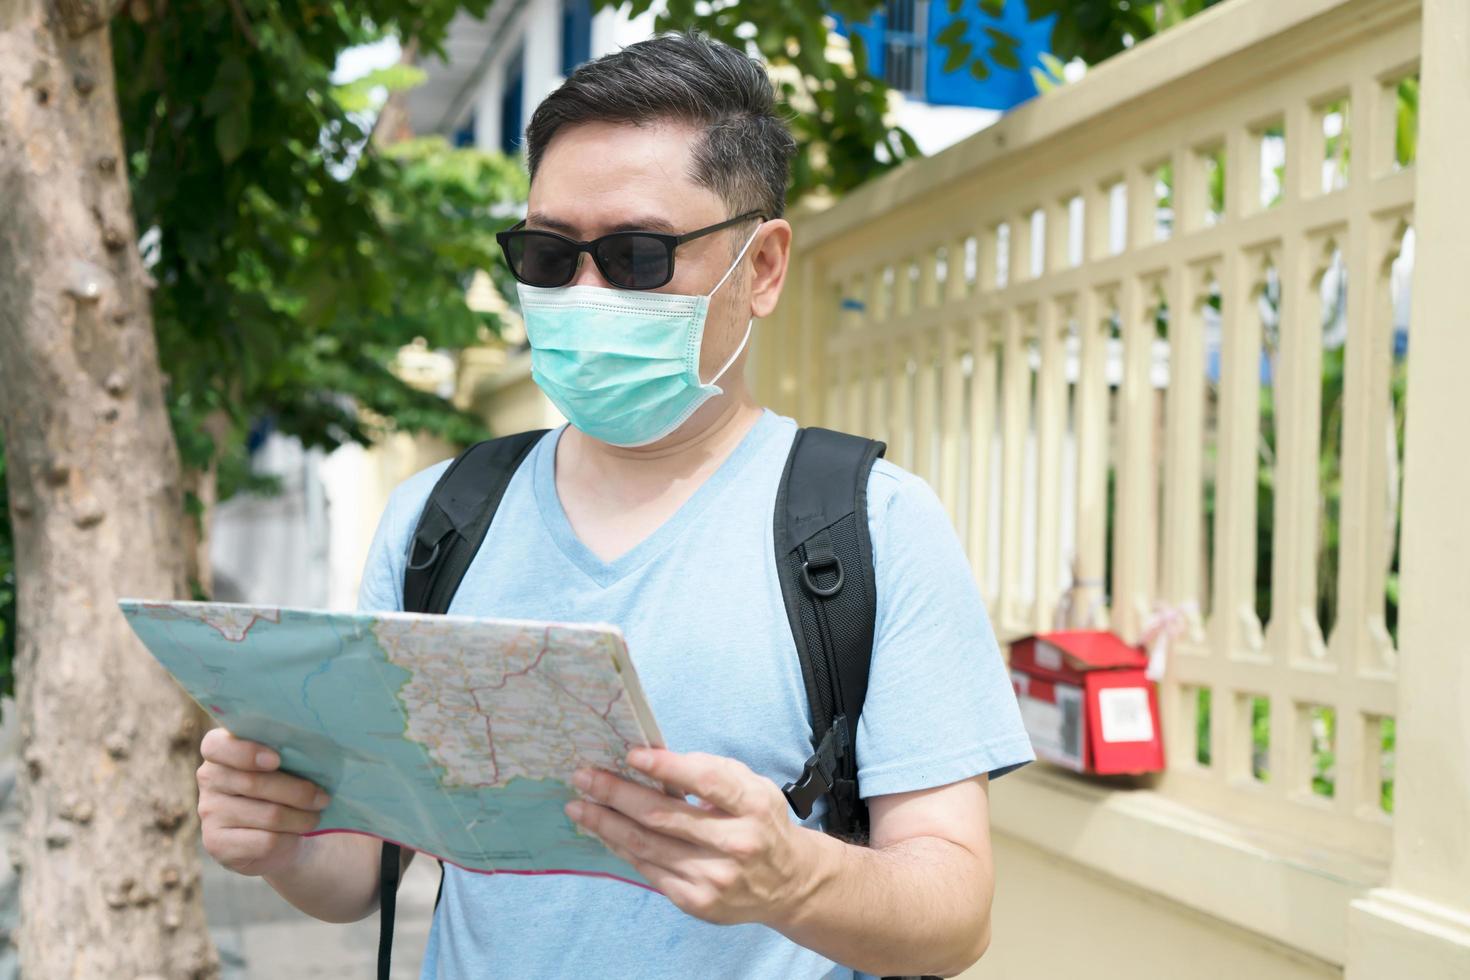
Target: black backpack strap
[453, 522]
[389, 868]
[451, 528]
[824, 559]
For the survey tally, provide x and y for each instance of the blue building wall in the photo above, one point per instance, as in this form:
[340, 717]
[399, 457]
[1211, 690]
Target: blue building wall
[1002, 89]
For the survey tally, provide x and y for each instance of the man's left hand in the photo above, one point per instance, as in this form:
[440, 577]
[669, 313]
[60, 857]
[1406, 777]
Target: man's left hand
[735, 857]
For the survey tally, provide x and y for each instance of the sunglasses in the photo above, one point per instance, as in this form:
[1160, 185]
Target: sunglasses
[626, 259]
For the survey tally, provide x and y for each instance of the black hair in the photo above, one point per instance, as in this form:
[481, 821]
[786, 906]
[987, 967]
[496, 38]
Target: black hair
[744, 151]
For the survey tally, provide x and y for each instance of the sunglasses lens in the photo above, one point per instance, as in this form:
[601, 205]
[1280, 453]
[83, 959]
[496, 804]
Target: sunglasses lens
[634, 261]
[540, 260]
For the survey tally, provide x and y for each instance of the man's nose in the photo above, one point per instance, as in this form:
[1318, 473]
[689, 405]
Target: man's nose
[588, 274]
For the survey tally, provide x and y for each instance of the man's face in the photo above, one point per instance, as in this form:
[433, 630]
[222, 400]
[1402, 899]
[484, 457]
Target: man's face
[597, 178]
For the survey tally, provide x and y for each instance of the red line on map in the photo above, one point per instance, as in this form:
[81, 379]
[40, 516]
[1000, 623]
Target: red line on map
[545, 646]
[490, 737]
[601, 714]
[489, 732]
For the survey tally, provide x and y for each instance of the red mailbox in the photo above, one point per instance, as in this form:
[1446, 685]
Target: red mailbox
[1086, 703]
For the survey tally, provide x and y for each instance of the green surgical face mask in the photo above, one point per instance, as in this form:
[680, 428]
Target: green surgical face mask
[622, 364]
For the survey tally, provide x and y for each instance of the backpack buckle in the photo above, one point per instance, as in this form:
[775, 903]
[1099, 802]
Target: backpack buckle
[819, 774]
[818, 554]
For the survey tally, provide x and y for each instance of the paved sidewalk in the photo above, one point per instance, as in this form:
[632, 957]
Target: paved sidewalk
[261, 936]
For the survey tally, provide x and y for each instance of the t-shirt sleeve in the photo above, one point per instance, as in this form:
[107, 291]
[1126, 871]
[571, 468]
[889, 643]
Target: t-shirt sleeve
[382, 573]
[940, 707]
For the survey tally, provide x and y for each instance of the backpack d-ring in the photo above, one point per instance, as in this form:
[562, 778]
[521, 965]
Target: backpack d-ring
[420, 566]
[813, 587]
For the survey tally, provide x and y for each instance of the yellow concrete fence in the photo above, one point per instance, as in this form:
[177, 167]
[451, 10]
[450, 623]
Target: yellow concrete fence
[1146, 338]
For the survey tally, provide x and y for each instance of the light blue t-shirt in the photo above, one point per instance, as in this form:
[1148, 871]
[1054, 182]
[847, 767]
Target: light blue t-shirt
[701, 607]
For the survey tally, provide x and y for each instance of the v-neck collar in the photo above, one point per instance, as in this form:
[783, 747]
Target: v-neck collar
[605, 574]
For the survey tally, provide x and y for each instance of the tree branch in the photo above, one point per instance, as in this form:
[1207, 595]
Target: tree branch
[243, 22]
[82, 17]
[393, 117]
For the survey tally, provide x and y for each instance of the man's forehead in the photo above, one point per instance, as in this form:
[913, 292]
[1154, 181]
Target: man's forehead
[599, 177]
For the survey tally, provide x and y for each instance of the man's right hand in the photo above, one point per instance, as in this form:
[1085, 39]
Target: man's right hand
[252, 817]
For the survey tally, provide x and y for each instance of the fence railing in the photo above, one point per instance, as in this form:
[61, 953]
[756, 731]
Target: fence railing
[1145, 338]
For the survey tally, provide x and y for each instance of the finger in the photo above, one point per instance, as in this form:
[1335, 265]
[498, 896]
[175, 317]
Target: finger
[666, 882]
[272, 787]
[243, 813]
[652, 809]
[237, 753]
[677, 884]
[689, 896]
[712, 778]
[638, 842]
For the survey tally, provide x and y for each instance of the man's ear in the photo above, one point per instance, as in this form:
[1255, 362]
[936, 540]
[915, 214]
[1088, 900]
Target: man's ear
[771, 253]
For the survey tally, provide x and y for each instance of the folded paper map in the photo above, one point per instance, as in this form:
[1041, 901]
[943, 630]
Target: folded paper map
[451, 735]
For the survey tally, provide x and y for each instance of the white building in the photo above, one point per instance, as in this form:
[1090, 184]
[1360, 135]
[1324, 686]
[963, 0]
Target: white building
[498, 70]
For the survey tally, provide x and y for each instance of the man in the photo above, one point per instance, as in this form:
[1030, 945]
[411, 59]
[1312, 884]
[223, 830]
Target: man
[653, 510]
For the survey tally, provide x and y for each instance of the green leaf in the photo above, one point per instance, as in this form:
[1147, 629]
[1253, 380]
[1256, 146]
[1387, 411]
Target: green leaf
[906, 140]
[1003, 49]
[993, 7]
[952, 33]
[980, 70]
[232, 133]
[1406, 129]
[357, 95]
[232, 86]
[859, 53]
[955, 5]
[958, 55]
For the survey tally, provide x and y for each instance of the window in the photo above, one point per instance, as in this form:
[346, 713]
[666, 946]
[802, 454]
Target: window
[576, 34]
[904, 27]
[510, 103]
[465, 135]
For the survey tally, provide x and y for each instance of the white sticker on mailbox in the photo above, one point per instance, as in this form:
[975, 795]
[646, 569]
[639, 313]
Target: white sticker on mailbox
[1048, 656]
[1125, 714]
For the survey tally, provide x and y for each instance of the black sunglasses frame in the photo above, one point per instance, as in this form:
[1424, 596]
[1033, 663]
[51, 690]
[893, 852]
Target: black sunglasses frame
[669, 242]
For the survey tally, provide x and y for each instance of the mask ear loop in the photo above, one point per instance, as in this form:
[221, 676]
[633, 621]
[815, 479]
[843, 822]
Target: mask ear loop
[748, 326]
[743, 341]
[736, 264]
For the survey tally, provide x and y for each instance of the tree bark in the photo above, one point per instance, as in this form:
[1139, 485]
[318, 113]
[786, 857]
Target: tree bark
[109, 849]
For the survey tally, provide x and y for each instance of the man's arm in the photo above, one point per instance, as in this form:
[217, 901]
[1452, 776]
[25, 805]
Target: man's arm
[335, 878]
[916, 901]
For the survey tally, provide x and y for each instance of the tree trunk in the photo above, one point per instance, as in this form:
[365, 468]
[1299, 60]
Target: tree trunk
[109, 850]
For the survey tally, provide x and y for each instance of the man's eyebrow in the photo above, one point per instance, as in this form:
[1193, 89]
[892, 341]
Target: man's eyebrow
[647, 223]
[549, 223]
[539, 219]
